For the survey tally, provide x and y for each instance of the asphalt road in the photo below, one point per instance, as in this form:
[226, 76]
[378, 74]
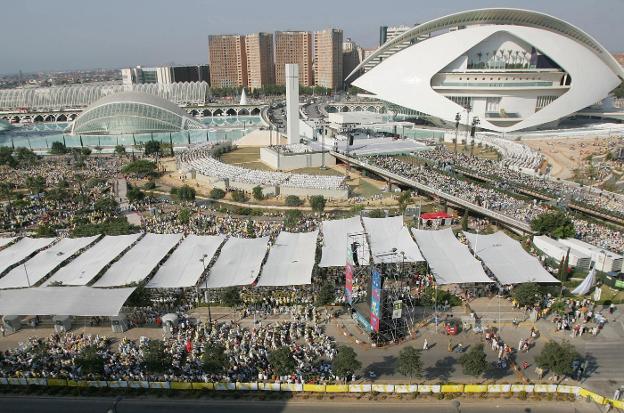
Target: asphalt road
[20, 404]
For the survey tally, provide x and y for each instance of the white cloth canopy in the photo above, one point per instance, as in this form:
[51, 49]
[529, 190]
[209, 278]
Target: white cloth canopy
[336, 242]
[140, 261]
[82, 269]
[386, 234]
[76, 301]
[238, 263]
[586, 285]
[6, 241]
[44, 262]
[186, 264]
[507, 260]
[449, 260]
[20, 250]
[290, 261]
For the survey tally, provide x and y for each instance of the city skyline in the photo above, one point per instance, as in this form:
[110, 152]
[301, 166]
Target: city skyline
[146, 36]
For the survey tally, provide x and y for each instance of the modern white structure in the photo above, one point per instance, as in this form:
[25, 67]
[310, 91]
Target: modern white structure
[292, 103]
[512, 69]
[558, 251]
[604, 260]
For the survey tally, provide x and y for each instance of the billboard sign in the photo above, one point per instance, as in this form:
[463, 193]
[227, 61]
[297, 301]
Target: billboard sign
[375, 304]
[349, 283]
[397, 309]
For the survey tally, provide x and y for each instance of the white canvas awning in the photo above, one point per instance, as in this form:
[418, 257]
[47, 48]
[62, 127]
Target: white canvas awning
[238, 263]
[76, 301]
[336, 242]
[39, 266]
[388, 238]
[290, 261]
[140, 261]
[6, 241]
[82, 269]
[21, 250]
[450, 260]
[186, 264]
[507, 260]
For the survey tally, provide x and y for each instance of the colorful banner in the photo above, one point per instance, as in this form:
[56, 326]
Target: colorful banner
[349, 283]
[375, 313]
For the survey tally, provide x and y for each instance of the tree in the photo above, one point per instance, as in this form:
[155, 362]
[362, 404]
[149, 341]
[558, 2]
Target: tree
[140, 168]
[186, 193]
[404, 200]
[217, 193]
[36, 184]
[58, 148]
[149, 185]
[85, 151]
[25, 156]
[293, 201]
[239, 196]
[120, 150]
[317, 202]
[327, 294]
[184, 216]
[134, 194]
[474, 361]
[155, 358]
[152, 148]
[555, 224]
[377, 213]
[281, 361]
[292, 217]
[105, 205]
[464, 221]
[257, 193]
[6, 157]
[345, 362]
[90, 361]
[231, 297]
[527, 294]
[214, 360]
[409, 363]
[558, 357]
[45, 231]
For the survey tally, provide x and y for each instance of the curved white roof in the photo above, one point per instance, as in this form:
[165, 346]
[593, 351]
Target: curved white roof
[137, 97]
[497, 16]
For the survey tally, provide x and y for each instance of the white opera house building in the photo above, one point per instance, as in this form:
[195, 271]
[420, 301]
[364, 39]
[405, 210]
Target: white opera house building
[512, 69]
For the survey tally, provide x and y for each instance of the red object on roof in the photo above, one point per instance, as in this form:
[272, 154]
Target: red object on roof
[435, 215]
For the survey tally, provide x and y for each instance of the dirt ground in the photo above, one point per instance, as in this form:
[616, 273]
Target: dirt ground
[567, 154]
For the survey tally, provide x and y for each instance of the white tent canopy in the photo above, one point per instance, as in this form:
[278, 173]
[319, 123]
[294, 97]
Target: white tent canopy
[507, 260]
[6, 241]
[140, 261]
[238, 263]
[336, 242]
[84, 268]
[76, 301]
[39, 266]
[20, 250]
[388, 234]
[587, 284]
[449, 260]
[290, 261]
[186, 264]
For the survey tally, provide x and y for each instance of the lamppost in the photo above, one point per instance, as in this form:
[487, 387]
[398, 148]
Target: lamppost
[468, 110]
[457, 119]
[475, 122]
[323, 130]
[206, 291]
[27, 277]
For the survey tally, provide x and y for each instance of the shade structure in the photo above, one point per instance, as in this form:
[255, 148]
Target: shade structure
[140, 261]
[44, 262]
[6, 241]
[587, 284]
[290, 261]
[186, 264]
[507, 260]
[86, 266]
[22, 249]
[450, 260]
[389, 238]
[75, 301]
[336, 242]
[238, 263]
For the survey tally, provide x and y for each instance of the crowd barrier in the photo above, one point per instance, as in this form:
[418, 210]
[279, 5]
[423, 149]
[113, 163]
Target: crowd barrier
[323, 388]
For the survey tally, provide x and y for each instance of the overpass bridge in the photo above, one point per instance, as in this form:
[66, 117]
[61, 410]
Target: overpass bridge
[355, 106]
[519, 226]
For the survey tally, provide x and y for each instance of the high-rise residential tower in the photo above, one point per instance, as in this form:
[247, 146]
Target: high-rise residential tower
[228, 60]
[259, 51]
[328, 59]
[351, 57]
[294, 48]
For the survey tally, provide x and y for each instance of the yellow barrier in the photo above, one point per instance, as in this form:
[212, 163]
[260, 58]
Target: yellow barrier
[291, 387]
[337, 388]
[383, 388]
[429, 388]
[118, 384]
[247, 386]
[97, 383]
[179, 385]
[475, 388]
[517, 388]
[225, 386]
[360, 388]
[57, 382]
[200, 386]
[594, 396]
[269, 386]
[77, 383]
[315, 388]
[618, 404]
[499, 388]
[17, 381]
[36, 381]
[159, 385]
[568, 389]
[405, 388]
[452, 388]
[545, 388]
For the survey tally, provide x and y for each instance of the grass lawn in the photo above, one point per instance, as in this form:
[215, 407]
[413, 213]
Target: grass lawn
[484, 153]
[365, 189]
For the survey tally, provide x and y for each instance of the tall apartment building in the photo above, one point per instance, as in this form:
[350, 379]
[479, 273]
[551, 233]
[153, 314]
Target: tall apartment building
[387, 33]
[228, 60]
[294, 47]
[351, 58]
[259, 50]
[328, 59]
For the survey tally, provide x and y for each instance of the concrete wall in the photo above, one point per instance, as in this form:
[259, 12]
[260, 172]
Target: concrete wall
[289, 162]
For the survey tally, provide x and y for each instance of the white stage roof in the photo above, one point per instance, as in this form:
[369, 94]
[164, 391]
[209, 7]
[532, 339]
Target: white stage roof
[87, 265]
[336, 242]
[138, 263]
[238, 263]
[39, 266]
[6, 241]
[450, 261]
[20, 250]
[76, 301]
[184, 267]
[507, 260]
[290, 260]
[385, 234]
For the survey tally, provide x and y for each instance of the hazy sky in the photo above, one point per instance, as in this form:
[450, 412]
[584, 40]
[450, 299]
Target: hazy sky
[80, 34]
